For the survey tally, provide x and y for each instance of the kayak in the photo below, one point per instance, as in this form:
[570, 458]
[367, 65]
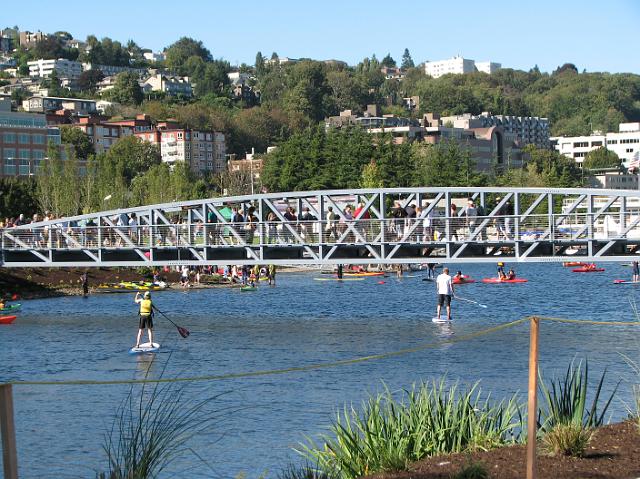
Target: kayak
[496, 280]
[573, 263]
[7, 319]
[624, 281]
[366, 273]
[13, 307]
[248, 288]
[463, 280]
[588, 270]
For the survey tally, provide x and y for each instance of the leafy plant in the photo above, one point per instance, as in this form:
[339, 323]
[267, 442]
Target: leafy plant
[567, 440]
[305, 471]
[566, 400]
[430, 419]
[472, 470]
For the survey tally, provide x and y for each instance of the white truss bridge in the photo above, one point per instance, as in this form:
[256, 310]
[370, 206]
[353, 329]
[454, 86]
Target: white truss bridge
[516, 224]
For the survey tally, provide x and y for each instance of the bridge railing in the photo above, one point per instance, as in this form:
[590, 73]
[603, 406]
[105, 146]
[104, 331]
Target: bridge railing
[432, 229]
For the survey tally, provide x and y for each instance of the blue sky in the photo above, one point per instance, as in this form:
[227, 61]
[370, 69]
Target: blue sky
[594, 35]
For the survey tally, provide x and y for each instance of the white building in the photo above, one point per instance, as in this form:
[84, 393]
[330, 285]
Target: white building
[63, 67]
[488, 67]
[154, 57]
[169, 84]
[458, 66]
[625, 143]
[111, 70]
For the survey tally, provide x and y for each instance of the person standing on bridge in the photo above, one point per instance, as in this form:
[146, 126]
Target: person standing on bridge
[146, 316]
[444, 288]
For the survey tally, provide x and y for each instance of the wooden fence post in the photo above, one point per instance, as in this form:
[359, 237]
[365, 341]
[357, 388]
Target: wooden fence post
[8, 433]
[532, 407]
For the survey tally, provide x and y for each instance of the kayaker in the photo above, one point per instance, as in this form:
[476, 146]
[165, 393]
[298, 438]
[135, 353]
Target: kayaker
[511, 275]
[252, 279]
[501, 274]
[459, 277]
[146, 316]
[2, 303]
[635, 271]
[444, 288]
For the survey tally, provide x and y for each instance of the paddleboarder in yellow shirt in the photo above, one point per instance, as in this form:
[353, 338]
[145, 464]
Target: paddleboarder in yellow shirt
[146, 316]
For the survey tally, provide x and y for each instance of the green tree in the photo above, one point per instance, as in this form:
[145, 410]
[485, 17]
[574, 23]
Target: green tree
[212, 78]
[371, 176]
[132, 156]
[407, 61]
[179, 52]
[18, 196]
[388, 61]
[259, 65]
[601, 158]
[89, 79]
[77, 138]
[126, 89]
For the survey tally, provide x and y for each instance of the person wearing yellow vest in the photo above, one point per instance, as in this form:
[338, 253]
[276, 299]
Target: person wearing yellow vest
[146, 316]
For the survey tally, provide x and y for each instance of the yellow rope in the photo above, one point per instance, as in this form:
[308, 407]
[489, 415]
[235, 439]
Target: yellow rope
[343, 362]
[268, 372]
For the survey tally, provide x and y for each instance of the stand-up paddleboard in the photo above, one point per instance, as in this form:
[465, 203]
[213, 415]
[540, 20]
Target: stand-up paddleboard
[248, 288]
[7, 319]
[338, 279]
[145, 348]
[624, 281]
[440, 320]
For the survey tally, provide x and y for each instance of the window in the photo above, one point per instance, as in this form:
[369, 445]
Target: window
[629, 150]
[9, 137]
[581, 144]
[38, 139]
[24, 167]
[9, 153]
[612, 142]
[26, 154]
[37, 154]
[9, 166]
[579, 155]
[596, 143]
[179, 136]
[23, 139]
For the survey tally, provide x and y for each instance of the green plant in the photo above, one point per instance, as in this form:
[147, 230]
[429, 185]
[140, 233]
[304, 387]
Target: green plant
[428, 420]
[305, 471]
[151, 428]
[566, 400]
[567, 440]
[472, 470]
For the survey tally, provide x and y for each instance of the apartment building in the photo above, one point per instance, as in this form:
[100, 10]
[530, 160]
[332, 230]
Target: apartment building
[64, 68]
[169, 84]
[45, 104]
[29, 39]
[528, 130]
[203, 151]
[112, 70]
[625, 143]
[24, 140]
[458, 66]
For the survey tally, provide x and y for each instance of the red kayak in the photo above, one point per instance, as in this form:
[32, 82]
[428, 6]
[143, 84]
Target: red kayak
[464, 280]
[588, 270]
[497, 280]
[7, 319]
[573, 263]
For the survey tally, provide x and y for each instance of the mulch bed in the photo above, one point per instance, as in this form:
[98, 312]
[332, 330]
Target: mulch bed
[614, 452]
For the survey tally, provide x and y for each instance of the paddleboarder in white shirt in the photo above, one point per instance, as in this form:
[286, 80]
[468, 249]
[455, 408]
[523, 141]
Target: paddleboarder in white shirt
[444, 287]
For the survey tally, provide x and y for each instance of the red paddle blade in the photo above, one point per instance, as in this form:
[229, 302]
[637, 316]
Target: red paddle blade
[183, 332]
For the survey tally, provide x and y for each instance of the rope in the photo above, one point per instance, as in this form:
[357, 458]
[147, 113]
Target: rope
[331, 364]
[269, 372]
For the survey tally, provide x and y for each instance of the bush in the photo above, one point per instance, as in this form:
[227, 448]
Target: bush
[567, 440]
[305, 471]
[428, 420]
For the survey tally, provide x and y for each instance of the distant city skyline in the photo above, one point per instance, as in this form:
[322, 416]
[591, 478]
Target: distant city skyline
[593, 36]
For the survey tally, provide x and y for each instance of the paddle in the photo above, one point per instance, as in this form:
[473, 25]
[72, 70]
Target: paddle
[183, 332]
[471, 301]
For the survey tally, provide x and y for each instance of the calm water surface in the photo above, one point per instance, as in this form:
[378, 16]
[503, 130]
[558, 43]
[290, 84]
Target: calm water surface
[301, 321]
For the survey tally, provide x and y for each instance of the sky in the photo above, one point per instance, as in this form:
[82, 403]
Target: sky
[593, 35]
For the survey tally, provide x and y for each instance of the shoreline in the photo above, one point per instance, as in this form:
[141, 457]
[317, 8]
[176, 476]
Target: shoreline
[40, 283]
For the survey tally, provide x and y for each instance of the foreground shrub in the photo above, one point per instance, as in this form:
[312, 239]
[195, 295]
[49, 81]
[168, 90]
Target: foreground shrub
[473, 470]
[566, 400]
[567, 440]
[428, 420]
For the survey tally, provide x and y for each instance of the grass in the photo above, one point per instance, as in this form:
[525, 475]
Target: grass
[567, 440]
[151, 429]
[430, 419]
[565, 400]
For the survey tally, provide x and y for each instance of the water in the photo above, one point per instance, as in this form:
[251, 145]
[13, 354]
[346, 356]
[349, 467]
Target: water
[60, 429]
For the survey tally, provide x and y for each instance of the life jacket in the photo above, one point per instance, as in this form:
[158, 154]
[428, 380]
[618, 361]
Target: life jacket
[145, 307]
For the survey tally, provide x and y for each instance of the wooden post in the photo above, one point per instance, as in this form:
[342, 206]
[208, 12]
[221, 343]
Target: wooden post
[8, 433]
[532, 408]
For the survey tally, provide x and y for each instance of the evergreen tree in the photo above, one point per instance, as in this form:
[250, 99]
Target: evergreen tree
[407, 61]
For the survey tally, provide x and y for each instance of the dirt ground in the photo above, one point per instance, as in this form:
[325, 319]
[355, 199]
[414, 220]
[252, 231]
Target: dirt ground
[614, 452]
